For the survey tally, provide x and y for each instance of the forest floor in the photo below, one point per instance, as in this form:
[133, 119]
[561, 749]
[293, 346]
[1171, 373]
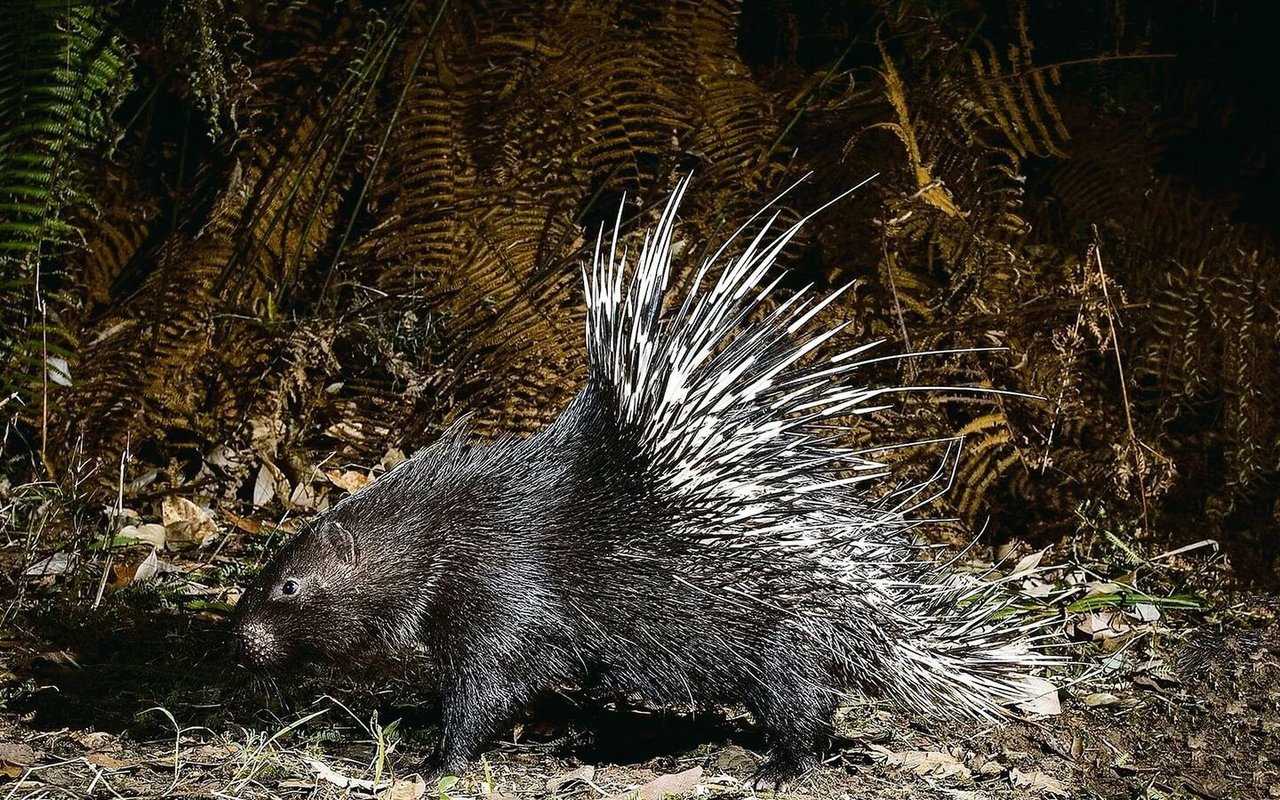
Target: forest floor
[132, 692]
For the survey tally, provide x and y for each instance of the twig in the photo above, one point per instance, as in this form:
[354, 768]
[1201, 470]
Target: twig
[1096, 253]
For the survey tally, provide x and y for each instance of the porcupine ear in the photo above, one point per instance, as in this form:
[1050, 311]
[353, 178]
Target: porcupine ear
[338, 539]
[447, 447]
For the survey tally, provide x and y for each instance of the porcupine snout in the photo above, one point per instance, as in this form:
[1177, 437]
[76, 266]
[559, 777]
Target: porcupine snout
[257, 645]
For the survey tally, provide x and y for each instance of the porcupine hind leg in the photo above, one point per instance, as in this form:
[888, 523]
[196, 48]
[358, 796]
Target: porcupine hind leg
[794, 709]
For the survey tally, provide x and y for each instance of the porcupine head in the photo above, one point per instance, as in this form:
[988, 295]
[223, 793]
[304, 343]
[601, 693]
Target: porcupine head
[693, 484]
[352, 585]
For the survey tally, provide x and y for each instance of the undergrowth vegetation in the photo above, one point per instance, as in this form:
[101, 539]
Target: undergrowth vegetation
[289, 237]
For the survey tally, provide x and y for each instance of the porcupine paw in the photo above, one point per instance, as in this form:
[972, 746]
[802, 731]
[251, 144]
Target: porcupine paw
[434, 767]
[782, 771]
[430, 770]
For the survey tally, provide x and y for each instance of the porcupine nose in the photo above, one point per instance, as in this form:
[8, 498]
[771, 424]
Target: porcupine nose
[257, 644]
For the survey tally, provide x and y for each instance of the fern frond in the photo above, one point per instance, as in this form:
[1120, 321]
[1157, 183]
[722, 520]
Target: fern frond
[63, 72]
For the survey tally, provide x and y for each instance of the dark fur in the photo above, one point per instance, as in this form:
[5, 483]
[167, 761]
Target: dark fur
[526, 564]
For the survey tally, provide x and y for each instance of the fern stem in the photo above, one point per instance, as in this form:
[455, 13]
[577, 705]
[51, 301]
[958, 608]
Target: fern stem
[1096, 257]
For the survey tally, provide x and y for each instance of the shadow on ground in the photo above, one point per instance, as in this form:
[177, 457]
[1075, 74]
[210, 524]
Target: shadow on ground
[126, 671]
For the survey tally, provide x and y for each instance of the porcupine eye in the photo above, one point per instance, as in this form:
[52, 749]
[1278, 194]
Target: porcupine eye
[289, 587]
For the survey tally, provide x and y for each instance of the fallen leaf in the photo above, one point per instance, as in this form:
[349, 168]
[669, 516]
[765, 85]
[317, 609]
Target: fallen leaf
[1144, 612]
[1043, 697]
[1100, 625]
[265, 433]
[104, 760]
[585, 774]
[187, 524]
[17, 753]
[1027, 565]
[326, 773]
[121, 573]
[349, 480]
[92, 740]
[1116, 663]
[148, 568]
[142, 481]
[393, 458]
[732, 758]
[224, 457]
[305, 495]
[56, 564]
[680, 784]
[1038, 589]
[1038, 782]
[59, 658]
[15, 757]
[347, 432]
[921, 762]
[243, 523]
[406, 790]
[151, 534]
[991, 768]
[268, 484]
[216, 752]
[1096, 588]
[1100, 699]
[1148, 682]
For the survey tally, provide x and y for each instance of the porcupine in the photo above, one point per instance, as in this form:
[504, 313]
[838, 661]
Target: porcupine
[689, 529]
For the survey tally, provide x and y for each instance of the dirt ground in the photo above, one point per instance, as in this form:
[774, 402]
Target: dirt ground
[139, 697]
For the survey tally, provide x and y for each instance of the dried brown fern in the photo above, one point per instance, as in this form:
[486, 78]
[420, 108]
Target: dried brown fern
[952, 244]
[386, 233]
[184, 355]
[1201, 332]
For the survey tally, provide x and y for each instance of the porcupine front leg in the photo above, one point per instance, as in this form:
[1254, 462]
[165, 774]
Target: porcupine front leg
[475, 705]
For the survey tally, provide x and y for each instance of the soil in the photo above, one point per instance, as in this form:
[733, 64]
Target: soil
[139, 698]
